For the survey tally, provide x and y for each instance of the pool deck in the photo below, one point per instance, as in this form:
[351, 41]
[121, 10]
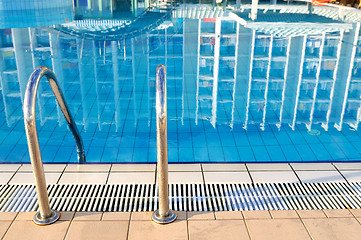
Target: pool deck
[281, 225]
[185, 173]
[287, 224]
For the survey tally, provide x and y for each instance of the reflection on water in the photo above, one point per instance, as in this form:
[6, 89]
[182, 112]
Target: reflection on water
[226, 73]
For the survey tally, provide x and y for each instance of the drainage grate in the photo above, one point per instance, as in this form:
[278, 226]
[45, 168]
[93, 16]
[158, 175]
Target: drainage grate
[186, 197]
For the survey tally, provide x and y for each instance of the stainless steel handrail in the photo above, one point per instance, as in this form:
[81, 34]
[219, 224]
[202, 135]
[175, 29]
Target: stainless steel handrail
[163, 215]
[45, 215]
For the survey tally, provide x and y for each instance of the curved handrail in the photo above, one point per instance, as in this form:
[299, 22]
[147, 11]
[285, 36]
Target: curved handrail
[45, 214]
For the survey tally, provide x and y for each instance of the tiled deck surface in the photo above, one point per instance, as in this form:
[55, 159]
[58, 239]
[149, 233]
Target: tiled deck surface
[304, 224]
[184, 173]
[301, 224]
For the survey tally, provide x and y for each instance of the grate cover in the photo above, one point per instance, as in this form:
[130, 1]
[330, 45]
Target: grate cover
[186, 197]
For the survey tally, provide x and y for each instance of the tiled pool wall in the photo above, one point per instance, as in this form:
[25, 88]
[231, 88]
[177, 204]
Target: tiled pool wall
[33, 13]
[242, 97]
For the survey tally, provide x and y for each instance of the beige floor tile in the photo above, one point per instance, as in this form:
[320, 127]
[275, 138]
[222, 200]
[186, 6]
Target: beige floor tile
[283, 214]
[141, 230]
[141, 216]
[98, 230]
[184, 167]
[319, 176]
[7, 216]
[66, 216]
[131, 177]
[27, 230]
[226, 177]
[79, 178]
[185, 177]
[268, 167]
[25, 216]
[133, 167]
[333, 228]
[28, 178]
[274, 177]
[263, 214]
[304, 214]
[352, 176]
[338, 213]
[221, 167]
[116, 216]
[200, 216]
[181, 215]
[5, 177]
[219, 229]
[4, 225]
[47, 168]
[356, 212]
[228, 215]
[348, 166]
[87, 216]
[313, 166]
[87, 168]
[280, 229]
[9, 167]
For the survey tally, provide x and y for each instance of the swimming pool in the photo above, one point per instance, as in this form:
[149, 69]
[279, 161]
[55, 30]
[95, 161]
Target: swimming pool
[238, 90]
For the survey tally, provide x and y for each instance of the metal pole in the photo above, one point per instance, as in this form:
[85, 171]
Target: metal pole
[45, 215]
[163, 215]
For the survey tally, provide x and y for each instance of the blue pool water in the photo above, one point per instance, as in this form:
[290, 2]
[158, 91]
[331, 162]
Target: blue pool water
[238, 90]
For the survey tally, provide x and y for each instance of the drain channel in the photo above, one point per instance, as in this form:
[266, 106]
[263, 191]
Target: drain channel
[186, 197]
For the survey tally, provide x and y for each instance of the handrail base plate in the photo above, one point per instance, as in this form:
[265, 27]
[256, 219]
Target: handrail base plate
[172, 216]
[38, 220]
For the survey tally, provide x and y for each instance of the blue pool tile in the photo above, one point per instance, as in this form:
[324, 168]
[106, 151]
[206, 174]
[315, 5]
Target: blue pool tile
[269, 138]
[201, 154]
[349, 150]
[325, 137]
[142, 140]
[213, 139]
[282, 137]
[291, 153]
[275, 153]
[17, 153]
[141, 155]
[231, 154]
[48, 153]
[94, 154]
[172, 154]
[320, 151]
[227, 139]
[125, 155]
[64, 154]
[241, 138]
[296, 137]
[305, 152]
[199, 140]
[246, 154]
[216, 154]
[110, 154]
[184, 139]
[254, 138]
[335, 151]
[310, 139]
[260, 153]
[152, 155]
[185, 155]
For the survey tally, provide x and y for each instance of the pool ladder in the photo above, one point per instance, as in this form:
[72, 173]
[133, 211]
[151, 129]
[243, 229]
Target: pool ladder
[45, 215]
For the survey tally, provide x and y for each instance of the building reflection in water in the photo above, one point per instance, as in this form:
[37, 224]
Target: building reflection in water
[222, 68]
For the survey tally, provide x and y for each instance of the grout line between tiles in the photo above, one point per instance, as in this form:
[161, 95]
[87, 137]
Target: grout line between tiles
[2, 237]
[340, 173]
[67, 230]
[294, 171]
